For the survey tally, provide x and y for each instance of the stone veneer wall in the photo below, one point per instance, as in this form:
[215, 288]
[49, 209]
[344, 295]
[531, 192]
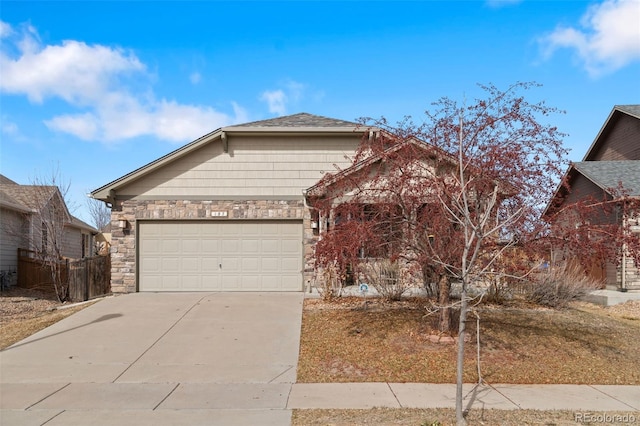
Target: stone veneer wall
[123, 242]
[632, 281]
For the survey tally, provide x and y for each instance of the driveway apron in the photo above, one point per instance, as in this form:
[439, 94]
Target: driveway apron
[158, 358]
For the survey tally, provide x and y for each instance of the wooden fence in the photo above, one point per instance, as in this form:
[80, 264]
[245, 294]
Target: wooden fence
[85, 278]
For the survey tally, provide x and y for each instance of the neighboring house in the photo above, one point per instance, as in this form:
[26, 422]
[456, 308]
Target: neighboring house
[23, 211]
[102, 244]
[227, 212]
[612, 160]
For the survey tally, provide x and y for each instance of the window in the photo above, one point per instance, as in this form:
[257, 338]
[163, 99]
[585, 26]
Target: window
[45, 238]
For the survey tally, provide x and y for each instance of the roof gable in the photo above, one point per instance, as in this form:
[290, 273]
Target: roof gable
[328, 181]
[614, 116]
[31, 197]
[302, 123]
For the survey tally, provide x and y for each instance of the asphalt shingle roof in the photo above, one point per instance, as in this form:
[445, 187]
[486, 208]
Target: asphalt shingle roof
[6, 181]
[630, 109]
[607, 174]
[28, 196]
[302, 119]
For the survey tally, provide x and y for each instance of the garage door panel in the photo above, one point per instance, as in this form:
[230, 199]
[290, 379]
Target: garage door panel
[169, 281]
[229, 246]
[220, 256]
[170, 246]
[250, 265]
[191, 282]
[270, 245]
[249, 282]
[250, 246]
[190, 265]
[271, 283]
[290, 247]
[290, 265]
[210, 265]
[210, 246]
[230, 282]
[170, 265]
[187, 230]
[270, 265]
[191, 247]
[229, 265]
[151, 265]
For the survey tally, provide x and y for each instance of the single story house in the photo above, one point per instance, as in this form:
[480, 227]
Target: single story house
[228, 211]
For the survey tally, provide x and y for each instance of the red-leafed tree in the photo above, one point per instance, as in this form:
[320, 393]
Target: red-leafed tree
[456, 199]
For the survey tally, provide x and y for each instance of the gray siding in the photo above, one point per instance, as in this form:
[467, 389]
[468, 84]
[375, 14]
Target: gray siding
[72, 243]
[12, 237]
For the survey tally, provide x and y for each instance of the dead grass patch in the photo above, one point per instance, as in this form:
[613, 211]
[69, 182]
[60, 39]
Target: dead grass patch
[24, 312]
[389, 342]
[438, 417]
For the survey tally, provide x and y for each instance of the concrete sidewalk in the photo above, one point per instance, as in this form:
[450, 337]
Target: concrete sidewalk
[502, 396]
[161, 404]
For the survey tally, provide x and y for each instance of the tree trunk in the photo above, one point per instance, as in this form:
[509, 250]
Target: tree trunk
[444, 287]
[460, 420]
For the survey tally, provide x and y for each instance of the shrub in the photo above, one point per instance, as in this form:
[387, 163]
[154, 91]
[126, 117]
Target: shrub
[560, 285]
[328, 282]
[387, 277]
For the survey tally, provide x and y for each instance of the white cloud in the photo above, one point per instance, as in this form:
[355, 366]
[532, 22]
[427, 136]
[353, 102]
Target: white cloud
[5, 29]
[109, 86]
[124, 117]
[608, 40]
[195, 77]
[84, 126]
[278, 100]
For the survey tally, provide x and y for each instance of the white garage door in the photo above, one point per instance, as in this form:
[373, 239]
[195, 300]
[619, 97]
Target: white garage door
[220, 256]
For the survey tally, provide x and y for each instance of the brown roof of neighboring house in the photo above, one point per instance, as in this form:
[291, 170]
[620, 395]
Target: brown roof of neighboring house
[6, 181]
[32, 197]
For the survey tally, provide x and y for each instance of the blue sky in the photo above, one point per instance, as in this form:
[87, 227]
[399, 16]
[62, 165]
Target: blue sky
[98, 89]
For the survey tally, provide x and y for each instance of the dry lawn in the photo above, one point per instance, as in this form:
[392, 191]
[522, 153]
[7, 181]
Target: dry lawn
[585, 344]
[25, 312]
[443, 416]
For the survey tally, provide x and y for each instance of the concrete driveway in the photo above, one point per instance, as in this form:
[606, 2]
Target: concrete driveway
[158, 359]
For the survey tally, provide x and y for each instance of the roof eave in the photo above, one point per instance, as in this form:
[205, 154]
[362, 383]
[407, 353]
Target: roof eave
[239, 130]
[16, 207]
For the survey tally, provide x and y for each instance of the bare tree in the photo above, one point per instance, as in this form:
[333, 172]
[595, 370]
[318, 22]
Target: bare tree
[50, 196]
[43, 224]
[99, 212]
